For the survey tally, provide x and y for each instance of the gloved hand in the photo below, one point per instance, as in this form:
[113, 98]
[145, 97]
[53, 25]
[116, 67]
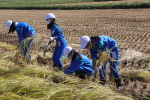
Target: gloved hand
[93, 73]
[98, 56]
[98, 68]
[51, 38]
[47, 47]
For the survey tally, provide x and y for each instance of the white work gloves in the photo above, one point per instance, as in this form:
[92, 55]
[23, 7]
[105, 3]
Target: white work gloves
[98, 68]
[51, 38]
[93, 73]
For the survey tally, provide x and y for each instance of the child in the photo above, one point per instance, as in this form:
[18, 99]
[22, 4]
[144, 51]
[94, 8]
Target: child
[80, 64]
[56, 34]
[97, 45]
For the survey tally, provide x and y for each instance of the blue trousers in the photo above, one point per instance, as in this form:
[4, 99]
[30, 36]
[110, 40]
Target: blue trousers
[25, 46]
[58, 53]
[113, 61]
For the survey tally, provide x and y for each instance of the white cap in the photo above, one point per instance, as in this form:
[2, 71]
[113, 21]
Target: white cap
[8, 24]
[49, 15]
[83, 41]
[67, 50]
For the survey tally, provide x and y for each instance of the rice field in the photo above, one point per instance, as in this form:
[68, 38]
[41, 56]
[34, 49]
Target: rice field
[129, 27]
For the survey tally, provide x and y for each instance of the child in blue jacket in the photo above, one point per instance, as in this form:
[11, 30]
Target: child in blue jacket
[97, 45]
[80, 64]
[56, 34]
[26, 35]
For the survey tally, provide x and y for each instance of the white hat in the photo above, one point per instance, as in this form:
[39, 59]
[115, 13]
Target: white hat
[67, 50]
[49, 15]
[83, 41]
[8, 24]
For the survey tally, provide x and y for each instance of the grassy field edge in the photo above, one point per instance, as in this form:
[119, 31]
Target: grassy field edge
[78, 7]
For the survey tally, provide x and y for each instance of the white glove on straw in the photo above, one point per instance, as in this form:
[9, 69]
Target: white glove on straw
[51, 38]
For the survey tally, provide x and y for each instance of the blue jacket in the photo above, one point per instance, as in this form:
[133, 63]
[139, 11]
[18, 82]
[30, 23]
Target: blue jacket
[24, 30]
[84, 65]
[105, 42]
[56, 32]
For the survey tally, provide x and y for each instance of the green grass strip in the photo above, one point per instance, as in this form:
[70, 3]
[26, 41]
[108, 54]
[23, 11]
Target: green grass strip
[133, 5]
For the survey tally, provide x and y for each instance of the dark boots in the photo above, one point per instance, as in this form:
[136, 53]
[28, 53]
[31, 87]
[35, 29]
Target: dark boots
[80, 75]
[55, 67]
[118, 83]
[102, 82]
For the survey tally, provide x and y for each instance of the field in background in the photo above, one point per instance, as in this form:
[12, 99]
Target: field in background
[129, 27]
[50, 2]
[73, 4]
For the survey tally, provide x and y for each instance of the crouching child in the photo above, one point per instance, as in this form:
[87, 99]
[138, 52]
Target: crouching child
[80, 64]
